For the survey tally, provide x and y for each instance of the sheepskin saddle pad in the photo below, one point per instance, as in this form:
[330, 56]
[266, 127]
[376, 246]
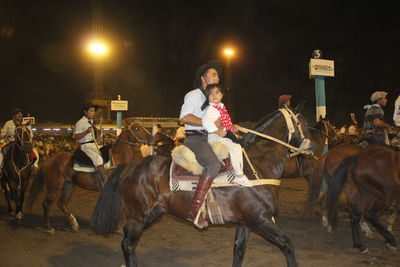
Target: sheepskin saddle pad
[185, 170]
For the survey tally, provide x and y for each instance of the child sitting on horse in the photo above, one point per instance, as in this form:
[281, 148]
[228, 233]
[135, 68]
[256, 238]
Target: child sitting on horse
[217, 110]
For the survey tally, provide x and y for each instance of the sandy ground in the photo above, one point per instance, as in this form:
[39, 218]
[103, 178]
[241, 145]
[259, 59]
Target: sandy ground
[171, 242]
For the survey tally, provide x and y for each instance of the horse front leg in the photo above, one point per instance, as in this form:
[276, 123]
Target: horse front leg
[132, 232]
[7, 195]
[269, 231]
[239, 249]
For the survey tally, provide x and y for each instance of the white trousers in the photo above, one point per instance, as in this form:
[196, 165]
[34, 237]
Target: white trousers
[235, 151]
[93, 153]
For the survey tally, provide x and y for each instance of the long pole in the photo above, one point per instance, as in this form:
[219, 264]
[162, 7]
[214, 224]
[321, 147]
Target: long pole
[119, 119]
[229, 86]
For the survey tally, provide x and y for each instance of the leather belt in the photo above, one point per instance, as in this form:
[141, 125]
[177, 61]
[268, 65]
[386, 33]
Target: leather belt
[88, 142]
[196, 132]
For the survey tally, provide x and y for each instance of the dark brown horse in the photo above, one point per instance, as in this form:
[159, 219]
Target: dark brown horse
[17, 170]
[142, 189]
[57, 174]
[373, 185]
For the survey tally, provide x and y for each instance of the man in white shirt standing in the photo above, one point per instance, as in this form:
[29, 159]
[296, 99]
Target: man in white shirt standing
[85, 133]
[191, 115]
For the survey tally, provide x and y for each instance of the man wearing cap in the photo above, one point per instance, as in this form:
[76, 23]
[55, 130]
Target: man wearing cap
[284, 101]
[396, 113]
[85, 133]
[8, 132]
[191, 115]
[374, 118]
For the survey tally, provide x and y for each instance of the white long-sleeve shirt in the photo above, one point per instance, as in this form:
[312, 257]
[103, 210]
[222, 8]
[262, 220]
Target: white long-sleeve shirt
[396, 113]
[192, 105]
[211, 114]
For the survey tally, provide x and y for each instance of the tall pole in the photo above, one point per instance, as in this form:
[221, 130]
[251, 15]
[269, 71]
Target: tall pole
[320, 97]
[229, 90]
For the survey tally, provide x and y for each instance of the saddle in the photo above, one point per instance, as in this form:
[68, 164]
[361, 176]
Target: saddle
[185, 170]
[83, 163]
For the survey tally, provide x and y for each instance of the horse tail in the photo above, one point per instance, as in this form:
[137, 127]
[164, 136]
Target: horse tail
[315, 186]
[36, 187]
[107, 213]
[338, 180]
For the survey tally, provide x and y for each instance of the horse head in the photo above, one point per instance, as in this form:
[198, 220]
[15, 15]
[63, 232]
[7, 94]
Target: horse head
[23, 137]
[138, 134]
[327, 129]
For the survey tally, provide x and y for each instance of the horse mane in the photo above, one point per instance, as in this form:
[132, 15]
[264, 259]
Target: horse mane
[261, 125]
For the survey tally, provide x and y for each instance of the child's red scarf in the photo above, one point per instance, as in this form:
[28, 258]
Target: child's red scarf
[225, 118]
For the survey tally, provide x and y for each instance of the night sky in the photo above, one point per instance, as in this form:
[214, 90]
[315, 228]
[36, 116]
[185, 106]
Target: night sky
[156, 47]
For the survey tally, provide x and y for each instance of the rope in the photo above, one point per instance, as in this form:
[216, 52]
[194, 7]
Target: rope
[245, 130]
[251, 165]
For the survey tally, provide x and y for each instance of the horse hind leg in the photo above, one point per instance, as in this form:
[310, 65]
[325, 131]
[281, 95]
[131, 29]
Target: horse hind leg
[47, 204]
[355, 219]
[63, 201]
[239, 249]
[132, 232]
[389, 238]
[269, 231]
[390, 221]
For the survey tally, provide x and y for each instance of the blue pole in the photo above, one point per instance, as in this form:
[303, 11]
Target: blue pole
[119, 119]
[321, 112]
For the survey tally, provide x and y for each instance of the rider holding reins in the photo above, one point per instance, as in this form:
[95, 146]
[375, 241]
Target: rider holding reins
[85, 133]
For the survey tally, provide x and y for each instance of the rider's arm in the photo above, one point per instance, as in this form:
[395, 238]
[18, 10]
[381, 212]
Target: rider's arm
[210, 117]
[191, 120]
[188, 109]
[78, 136]
[378, 122]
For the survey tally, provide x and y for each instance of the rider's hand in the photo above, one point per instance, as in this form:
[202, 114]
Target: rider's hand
[89, 130]
[235, 128]
[220, 132]
[218, 123]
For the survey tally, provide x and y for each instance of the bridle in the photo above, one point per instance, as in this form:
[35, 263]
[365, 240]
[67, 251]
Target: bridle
[20, 142]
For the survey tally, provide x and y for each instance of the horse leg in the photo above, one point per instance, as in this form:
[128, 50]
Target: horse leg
[7, 194]
[269, 231]
[366, 230]
[390, 221]
[132, 232]
[47, 204]
[19, 201]
[372, 217]
[63, 201]
[355, 219]
[239, 249]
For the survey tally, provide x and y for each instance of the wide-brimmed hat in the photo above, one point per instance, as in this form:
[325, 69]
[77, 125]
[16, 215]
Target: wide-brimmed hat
[87, 106]
[378, 95]
[213, 64]
[284, 98]
[15, 111]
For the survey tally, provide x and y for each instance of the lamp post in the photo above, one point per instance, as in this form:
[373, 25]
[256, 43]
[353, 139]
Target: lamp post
[229, 53]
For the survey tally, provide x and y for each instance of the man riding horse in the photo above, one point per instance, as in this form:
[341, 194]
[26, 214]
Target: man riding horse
[8, 134]
[86, 133]
[191, 115]
[374, 119]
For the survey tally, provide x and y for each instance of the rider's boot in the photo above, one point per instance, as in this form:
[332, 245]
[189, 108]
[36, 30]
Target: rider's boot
[102, 177]
[204, 184]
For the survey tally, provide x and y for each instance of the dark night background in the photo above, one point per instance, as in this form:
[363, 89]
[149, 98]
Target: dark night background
[157, 46]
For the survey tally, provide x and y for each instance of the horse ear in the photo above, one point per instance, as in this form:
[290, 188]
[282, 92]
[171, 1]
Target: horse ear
[299, 107]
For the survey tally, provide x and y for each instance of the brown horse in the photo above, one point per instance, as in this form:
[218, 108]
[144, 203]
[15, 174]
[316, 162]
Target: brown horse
[57, 174]
[373, 185]
[142, 189]
[17, 169]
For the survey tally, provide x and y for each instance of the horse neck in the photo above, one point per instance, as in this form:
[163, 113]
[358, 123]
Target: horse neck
[319, 138]
[271, 156]
[18, 155]
[123, 150]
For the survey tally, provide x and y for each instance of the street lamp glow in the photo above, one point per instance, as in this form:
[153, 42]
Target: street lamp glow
[228, 52]
[97, 48]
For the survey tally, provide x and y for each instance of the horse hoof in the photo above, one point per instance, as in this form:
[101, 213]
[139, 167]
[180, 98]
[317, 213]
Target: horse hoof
[51, 231]
[389, 228]
[330, 229]
[364, 251]
[74, 223]
[392, 248]
[19, 216]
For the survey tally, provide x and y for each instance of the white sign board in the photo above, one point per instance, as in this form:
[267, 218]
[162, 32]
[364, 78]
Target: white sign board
[119, 105]
[30, 120]
[322, 67]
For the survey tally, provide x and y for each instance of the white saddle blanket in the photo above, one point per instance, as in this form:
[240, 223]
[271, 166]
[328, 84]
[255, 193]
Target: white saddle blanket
[85, 168]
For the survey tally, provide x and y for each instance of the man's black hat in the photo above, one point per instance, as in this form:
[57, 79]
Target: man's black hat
[87, 106]
[213, 64]
[15, 111]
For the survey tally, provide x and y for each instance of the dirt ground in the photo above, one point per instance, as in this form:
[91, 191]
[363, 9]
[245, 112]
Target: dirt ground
[171, 242]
